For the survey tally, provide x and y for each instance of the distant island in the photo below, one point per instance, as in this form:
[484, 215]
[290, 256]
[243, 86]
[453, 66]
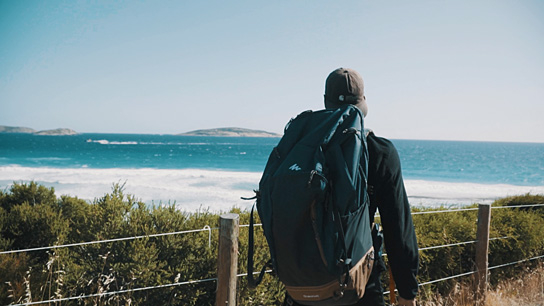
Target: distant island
[17, 129]
[230, 132]
[57, 132]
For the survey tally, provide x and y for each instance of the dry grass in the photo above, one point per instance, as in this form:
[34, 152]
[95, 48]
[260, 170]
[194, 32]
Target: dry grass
[528, 290]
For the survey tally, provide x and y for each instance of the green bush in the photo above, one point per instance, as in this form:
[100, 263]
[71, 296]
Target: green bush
[32, 216]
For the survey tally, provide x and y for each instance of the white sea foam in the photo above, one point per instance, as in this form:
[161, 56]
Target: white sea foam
[432, 193]
[46, 159]
[107, 142]
[192, 189]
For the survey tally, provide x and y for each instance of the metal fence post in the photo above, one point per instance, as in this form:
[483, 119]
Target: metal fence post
[482, 249]
[227, 260]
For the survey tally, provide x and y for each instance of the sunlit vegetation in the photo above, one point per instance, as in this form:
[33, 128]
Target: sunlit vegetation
[31, 216]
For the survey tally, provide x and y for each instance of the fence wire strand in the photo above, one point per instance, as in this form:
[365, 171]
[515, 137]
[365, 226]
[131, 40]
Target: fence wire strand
[129, 290]
[443, 211]
[516, 262]
[79, 297]
[518, 206]
[206, 228]
[460, 243]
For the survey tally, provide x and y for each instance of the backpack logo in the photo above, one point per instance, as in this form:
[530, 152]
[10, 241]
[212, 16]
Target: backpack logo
[295, 167]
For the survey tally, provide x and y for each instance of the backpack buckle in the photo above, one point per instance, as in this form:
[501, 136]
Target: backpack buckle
[338, 294]
[312, 173]
[352, 130]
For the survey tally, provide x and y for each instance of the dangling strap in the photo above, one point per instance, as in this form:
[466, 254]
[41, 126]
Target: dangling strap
[252, 198]
[346, 262]
[251, 281]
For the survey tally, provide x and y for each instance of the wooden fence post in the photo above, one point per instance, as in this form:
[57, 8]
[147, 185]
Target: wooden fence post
[227, 260]
[482, 249]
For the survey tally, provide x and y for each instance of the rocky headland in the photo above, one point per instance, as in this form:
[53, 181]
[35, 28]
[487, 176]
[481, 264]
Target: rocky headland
[18, 129]
[230, 132]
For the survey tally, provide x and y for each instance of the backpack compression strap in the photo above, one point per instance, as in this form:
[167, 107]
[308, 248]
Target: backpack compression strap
[344, 262]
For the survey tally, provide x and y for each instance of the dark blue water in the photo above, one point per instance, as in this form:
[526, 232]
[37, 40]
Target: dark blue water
[448, 161]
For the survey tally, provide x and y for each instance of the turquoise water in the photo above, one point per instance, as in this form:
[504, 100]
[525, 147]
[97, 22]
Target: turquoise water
[474, 162]
[104, 151]
[446, 161]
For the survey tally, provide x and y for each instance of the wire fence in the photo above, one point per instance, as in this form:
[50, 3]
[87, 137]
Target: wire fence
[104, 294]
[209, 229]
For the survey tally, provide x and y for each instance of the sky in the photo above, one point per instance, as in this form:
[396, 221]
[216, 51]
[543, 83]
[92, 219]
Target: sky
[444, 70]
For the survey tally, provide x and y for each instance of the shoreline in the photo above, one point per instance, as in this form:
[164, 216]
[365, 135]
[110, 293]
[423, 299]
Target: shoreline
[194, 189]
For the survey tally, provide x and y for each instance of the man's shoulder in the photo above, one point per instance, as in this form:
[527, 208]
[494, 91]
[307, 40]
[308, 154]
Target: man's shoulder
[380, 144]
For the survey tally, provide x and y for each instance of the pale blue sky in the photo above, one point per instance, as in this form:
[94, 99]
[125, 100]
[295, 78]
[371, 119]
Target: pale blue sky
[452, 70]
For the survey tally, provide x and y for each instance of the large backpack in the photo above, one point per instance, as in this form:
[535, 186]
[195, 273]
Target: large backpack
[313, 205]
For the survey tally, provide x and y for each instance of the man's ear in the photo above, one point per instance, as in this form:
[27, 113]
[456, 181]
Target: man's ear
[363, 106]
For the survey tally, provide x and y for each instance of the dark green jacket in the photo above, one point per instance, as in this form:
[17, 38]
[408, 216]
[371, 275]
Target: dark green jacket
[389, 197]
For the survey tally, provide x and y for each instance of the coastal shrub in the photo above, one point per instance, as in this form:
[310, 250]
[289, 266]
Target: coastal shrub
[5, 242]
[31, 193]
[517, 200]
[31, 216]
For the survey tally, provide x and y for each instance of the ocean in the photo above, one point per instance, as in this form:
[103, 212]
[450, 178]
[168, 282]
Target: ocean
[196, 172]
